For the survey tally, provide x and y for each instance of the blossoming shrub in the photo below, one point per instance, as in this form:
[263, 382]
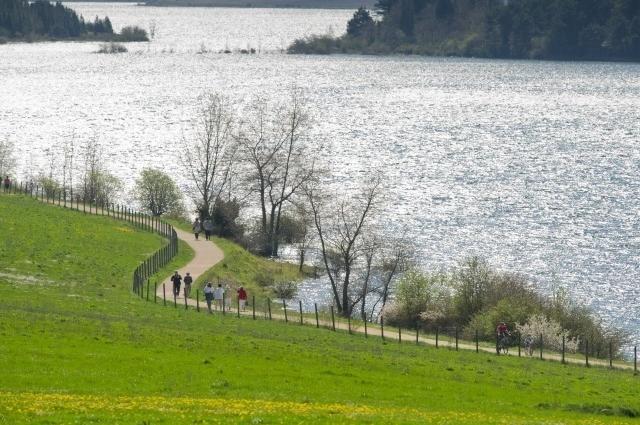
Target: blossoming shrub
[551, 332]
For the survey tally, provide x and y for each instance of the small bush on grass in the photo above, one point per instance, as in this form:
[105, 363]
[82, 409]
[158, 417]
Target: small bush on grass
[133, 33]
[111, 48]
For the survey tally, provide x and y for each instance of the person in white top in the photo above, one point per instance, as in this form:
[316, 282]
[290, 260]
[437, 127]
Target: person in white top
[218, 295]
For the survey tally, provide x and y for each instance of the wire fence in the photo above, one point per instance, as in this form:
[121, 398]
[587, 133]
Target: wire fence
[292, 311]
[446, 337]
[66, 199]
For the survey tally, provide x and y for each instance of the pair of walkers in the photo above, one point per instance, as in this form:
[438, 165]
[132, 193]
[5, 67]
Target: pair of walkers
[216, 296]
[206, 226]
[177, 280]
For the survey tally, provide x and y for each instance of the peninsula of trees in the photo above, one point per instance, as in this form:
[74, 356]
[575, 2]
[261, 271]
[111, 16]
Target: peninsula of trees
[295, 4]
[22, 20]
[510, 29]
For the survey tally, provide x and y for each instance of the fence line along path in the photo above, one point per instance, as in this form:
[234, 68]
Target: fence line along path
[207, 255]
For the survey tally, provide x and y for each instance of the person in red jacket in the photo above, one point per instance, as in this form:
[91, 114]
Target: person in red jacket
[502, 330]
[242, 298]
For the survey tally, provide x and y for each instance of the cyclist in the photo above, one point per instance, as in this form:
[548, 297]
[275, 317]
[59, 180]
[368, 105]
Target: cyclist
[502, 330]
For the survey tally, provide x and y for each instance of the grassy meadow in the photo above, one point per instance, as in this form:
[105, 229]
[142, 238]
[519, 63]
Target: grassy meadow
[77, 347]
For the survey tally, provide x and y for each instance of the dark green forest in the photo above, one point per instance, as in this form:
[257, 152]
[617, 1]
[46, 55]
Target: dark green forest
[20, 19]
[514, 29]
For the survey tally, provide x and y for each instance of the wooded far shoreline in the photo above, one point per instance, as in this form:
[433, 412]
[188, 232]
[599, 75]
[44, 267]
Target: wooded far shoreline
[43, 21]
[593, 30]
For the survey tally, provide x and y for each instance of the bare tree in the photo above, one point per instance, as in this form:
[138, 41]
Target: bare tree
[68, 155]
[209, 156]
[7, 159]
[306, 234]
[394, 260]
[277, 159]
[341, 227]
[97, 186]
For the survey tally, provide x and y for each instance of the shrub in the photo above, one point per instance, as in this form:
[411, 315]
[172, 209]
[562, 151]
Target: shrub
[508, 310]
[551, 332]
[111, 48]
[419, 296]
[315, 44]
[50, 186]
[133, 33]
[285, 290]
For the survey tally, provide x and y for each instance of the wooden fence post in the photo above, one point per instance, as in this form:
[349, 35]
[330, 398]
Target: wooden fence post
[315, 306]
[417, 333]
[456, 338]
[333, 320]
[155, 291]
[563, 342]
[586, 352]
[477, 346]
[253, 305]
[301, 319]
[238, 307]
[399, 335]
[366, 335]
[635, 359]
[610, 354]
[147, 289]
[437, 336]
[382, 327]
[269, 307]
[198, 300]
[541, 346]
[164, 294]
[284, 306]
[185, 302]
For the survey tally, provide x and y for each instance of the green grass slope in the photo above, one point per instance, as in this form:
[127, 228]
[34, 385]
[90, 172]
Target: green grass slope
[77, 347]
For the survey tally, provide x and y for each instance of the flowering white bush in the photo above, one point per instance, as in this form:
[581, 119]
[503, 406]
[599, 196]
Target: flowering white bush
[551, 332]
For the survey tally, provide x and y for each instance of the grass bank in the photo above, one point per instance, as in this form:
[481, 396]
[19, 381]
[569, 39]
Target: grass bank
[242, 268]
[78, 347]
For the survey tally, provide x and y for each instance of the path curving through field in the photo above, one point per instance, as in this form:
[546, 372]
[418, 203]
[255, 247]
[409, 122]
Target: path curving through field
[206, 255]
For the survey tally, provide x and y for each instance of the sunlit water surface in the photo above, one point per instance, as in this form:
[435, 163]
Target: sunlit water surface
[533, 165]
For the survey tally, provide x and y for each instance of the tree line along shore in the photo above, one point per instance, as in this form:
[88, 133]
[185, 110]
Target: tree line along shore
[21, 20]
[606, 30]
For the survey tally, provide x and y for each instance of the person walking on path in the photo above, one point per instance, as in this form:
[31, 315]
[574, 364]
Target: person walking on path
[176, 279]
[208, 295]
[208, 228]
[197, 227]
[242, 298]
[7, 183]
[188, 280]
[218, 296]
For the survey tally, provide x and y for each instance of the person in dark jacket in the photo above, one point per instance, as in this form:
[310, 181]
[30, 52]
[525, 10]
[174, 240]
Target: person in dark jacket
[208, 228]
[176, 279]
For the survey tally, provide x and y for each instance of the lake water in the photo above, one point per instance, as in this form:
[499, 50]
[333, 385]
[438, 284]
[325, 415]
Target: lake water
[533, 165]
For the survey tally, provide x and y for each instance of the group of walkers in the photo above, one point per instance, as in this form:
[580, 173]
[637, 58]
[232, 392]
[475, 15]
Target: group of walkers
[206, 225]
[177, 281]
[217, 297]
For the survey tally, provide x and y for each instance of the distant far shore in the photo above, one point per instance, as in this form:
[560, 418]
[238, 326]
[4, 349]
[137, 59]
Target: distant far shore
[276, 4]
